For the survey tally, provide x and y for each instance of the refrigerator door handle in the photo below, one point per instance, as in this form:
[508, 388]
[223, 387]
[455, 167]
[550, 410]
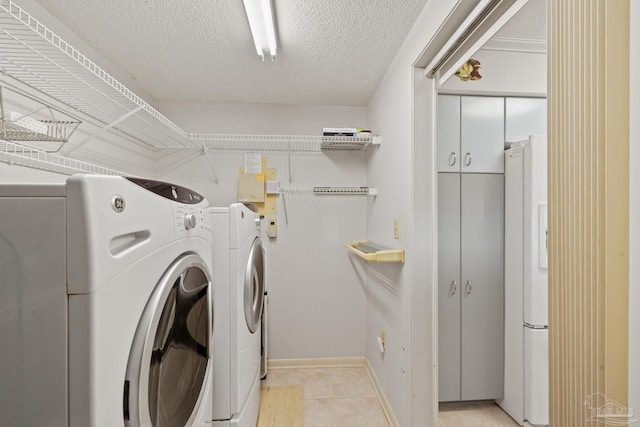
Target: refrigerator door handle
[453, 288]
[467, 288]
[543, 237]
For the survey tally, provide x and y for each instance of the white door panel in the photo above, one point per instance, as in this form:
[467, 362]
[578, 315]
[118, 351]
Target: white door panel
[448, 134]
[536, 376]
[482, 134]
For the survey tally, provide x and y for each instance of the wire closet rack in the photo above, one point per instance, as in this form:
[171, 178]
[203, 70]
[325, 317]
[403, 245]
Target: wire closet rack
[37, 58]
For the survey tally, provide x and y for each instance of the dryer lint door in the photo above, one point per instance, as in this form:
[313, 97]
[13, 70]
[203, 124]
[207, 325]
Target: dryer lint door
[254, 286]
[170, 354]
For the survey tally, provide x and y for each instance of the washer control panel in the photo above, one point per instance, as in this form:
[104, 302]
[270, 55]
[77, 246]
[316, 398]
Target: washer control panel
[187, 218]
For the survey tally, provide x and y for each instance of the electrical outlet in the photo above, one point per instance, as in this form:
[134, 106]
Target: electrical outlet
[272, 228]
[396, 229]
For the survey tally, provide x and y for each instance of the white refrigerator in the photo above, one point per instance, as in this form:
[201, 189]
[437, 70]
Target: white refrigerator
[526, 387]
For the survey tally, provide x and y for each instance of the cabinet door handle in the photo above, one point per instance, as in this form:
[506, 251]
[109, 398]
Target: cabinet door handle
[467, 288]
[453, 288]
[452, 158]
[467, 159]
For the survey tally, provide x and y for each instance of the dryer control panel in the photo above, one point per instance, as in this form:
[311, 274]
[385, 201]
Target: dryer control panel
[187, 218]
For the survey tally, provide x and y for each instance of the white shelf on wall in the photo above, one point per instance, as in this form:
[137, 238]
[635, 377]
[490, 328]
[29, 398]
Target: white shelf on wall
[35, 56]
[324, 191]
[375, 253]
[284, 143]
[13, 153]
[342, 143]
[280, 143]
[331, 191]
[345, 191]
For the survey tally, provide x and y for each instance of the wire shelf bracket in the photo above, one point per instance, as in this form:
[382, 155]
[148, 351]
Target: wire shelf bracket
[103, 130]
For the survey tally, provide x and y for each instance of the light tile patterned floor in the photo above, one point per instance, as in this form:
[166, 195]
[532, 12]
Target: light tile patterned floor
[480, 414]
[333, 397]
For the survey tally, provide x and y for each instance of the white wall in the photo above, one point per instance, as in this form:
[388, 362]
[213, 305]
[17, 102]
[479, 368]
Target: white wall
[15, 174]
[237, 117]
[316, 299]
[400, 297]
[515, 73]
[634, 213]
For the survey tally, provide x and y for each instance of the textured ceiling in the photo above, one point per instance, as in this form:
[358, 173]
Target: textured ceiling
[331, 52]
[530, 23]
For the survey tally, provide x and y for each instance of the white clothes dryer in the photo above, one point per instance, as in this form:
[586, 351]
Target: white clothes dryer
[238, 283]
[105, 312]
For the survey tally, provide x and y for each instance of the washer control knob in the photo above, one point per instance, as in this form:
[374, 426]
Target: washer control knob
[189, 221]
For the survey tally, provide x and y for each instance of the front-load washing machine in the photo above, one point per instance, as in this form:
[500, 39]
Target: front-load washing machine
[238, 289]
[105, 303]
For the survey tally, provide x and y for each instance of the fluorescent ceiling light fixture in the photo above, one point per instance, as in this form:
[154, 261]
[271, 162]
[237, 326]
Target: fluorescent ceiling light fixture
[260, 15]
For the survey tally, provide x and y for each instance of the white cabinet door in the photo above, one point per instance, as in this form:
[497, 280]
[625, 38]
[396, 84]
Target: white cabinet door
[482, 134]
[482, 286]
[470, 286]
[525, 117]
[448, 287]
[448, 134]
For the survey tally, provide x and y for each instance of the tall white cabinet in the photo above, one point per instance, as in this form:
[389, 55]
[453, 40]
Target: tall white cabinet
[471, 134]
[470, 162]
[470, 288]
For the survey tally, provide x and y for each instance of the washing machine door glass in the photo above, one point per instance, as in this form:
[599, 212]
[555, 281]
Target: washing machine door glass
[254, 286]
[170, 355]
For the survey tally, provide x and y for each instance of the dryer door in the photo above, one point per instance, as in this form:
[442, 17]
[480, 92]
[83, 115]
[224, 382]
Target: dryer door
[169, 359]
[254, 286]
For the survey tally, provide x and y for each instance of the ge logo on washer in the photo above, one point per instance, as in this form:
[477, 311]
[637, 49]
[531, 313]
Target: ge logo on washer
[117, 203]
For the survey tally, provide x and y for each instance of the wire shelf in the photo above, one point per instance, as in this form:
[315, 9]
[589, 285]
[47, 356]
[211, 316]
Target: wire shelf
[310, 143]
[331, 191]
[347, 191]
[338, 143]
[13, 153]
[37, 57]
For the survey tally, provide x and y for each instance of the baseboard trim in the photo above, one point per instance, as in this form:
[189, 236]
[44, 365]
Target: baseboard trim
[386, 406]
[332, 362]
[324, 362]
